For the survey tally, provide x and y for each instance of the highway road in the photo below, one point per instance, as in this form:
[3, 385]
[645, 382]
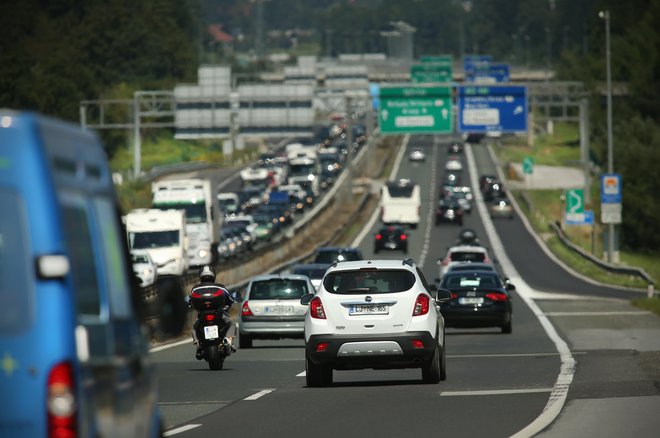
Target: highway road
[572, 342]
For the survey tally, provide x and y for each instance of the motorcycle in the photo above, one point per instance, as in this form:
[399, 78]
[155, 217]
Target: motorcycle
[211, 328]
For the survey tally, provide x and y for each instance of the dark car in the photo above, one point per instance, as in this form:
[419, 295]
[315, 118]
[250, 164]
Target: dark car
[329, 254]
[493, 190]
[449, 210]
[478, 299]
[391, 238]
[455, 148]
[474, 137]
[484, 180]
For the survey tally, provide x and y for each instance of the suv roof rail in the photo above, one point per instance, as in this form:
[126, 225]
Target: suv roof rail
[410, 262]
[334, 264]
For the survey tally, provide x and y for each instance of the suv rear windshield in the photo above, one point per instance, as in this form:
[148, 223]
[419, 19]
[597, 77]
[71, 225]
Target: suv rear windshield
[376, 281]
[278, 289]
[467, 256]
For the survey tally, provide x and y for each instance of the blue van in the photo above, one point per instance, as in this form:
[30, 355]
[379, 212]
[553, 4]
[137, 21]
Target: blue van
[73, 356]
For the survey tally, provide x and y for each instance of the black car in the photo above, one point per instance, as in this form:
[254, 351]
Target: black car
[449, 210]
[391, 238]
[478, 299]
[329, 254]
[455, 148]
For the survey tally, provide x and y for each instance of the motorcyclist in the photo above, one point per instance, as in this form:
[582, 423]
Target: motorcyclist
[467, 237]
[207, 280]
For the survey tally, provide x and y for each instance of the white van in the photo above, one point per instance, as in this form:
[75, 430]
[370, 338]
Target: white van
[401, 203]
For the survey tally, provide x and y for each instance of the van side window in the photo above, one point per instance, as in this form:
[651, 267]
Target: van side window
[83, 267]
[117, 280]
[16, 268]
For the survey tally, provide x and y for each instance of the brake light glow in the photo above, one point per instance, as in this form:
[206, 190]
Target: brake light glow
[497, 296]
[417, 343]
[403, 237]
[61, 402]
[245, 309]
[322, 346]
[421, 305]
[379, 236]
[209, 317]
[316, 308]
[454, 295]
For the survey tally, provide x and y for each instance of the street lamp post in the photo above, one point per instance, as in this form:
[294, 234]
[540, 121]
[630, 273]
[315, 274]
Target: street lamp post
[605, 15]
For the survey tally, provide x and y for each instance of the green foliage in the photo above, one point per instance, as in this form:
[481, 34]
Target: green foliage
[650, 304]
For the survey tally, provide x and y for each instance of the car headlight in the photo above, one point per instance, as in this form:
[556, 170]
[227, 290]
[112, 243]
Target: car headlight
[311, 177]
[202, 253]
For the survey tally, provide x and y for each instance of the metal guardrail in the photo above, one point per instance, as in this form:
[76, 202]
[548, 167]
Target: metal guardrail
[629, 270]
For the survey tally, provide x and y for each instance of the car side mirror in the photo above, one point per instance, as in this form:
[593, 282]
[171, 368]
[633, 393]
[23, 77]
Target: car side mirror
[442, 295]
[305, 299]
[510, 287]
[236, 296]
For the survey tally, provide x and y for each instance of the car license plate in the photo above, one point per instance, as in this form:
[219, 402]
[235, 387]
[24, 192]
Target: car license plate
[211, 332]
[278, 309]
[390, 245]
[470, 300]
[368, 309]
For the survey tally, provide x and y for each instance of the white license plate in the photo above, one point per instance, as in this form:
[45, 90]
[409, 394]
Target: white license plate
[470, 300]
[211, 332]
[390, 245]
[368, 309]
[278, 309]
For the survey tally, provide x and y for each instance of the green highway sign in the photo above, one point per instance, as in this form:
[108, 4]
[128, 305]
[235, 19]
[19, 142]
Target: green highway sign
[431, 72]
[574, 201]
[415, 110]
[447, 60]
[528, 165]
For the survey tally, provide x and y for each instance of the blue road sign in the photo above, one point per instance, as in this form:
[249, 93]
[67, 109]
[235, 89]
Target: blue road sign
[584, 218]
[492, 73]
[610, 188]
[472, 62]
[374, 91]
[484, 109]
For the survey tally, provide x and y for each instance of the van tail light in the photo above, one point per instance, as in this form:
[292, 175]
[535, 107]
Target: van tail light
[316, 308]
[245, 310]
[61, 402]
[421, 305]
[497, 296]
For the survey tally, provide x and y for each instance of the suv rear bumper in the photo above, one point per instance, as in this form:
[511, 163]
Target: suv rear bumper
[371, 351]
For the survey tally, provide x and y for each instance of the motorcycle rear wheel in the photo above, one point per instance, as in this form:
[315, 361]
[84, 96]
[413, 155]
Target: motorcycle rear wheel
[214, 357]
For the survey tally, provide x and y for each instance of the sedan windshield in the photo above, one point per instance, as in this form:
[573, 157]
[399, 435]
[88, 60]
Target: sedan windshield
[470, 280]
[278, 289]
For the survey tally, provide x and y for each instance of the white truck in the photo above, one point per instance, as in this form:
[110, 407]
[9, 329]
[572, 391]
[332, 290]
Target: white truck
[203, 215]
[401, 203]
[162, 233]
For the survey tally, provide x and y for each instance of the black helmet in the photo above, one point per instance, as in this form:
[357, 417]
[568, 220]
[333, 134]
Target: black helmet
[467, 236]
[207, 274]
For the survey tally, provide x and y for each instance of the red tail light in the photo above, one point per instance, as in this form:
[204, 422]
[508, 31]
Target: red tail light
[322, 346]
[209, 317]
[316, 308]
[245, 310]
[379, 236]
[195, 295]
[417, 343]
[454, 295]
[61, 402]
[421, 305]
[403, 237]
[497, 296]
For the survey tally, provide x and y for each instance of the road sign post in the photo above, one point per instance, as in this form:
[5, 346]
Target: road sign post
[416, 109]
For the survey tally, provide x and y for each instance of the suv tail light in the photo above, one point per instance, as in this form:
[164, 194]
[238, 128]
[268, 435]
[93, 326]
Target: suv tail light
[497, 296]
[245, 310]
[61, 402]
[316, 308]
[421, 305]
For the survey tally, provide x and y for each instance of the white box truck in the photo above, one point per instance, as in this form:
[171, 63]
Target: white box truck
[401, 203]
[162, 233]
[203, 215]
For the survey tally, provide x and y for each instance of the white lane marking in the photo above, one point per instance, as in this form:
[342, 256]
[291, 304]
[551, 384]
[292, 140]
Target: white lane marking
[259, 394]
[205, 402]
[374, 216]
[170, 345]
[180, 429]
[303, 374]
[494, 392]
[567, 369]
[481, 356]
[429, 216]
[596, 313]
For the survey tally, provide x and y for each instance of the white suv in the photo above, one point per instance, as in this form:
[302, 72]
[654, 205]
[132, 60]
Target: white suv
[374, 314]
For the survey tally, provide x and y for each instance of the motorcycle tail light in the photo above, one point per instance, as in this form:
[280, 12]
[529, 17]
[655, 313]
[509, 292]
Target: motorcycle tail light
[209, 317]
